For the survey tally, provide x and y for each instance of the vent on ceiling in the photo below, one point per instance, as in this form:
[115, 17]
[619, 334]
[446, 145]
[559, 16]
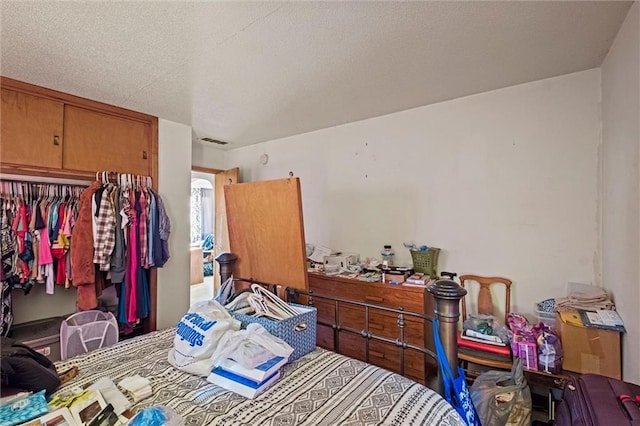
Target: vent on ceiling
[214, 141]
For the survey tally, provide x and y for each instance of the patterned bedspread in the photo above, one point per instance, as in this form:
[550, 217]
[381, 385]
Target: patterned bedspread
[321, 388]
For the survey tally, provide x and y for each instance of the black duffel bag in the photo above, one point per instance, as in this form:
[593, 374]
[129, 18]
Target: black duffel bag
[23, 368]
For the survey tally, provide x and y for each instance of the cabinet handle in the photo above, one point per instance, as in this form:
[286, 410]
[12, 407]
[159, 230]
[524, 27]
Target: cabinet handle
[144, 155]
[376, 354]
[374, 299]
[56, 140]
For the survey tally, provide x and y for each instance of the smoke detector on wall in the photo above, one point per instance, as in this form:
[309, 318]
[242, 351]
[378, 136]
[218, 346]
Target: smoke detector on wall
[216, 141]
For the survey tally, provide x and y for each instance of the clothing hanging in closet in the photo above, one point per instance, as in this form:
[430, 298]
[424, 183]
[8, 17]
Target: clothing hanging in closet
[122, 230]
[111, 232]
[35, 230]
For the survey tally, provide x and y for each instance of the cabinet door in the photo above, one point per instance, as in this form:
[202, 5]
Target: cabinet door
[96, 142]
[31, 130]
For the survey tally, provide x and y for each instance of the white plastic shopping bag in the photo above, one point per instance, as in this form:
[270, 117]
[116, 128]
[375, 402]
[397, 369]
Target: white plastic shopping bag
[198, 334]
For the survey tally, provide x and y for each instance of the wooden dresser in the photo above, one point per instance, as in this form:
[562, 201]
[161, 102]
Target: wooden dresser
[381, 323]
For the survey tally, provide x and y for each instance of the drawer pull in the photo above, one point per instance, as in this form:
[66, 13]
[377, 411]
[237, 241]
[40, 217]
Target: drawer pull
[144, 155]
[56, 140]
[376, 354]
[374, 299]
[301, 327]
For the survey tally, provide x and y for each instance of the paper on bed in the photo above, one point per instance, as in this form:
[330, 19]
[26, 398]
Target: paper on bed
[111, 394]
[258, 374]
[137, 387]
[241, 385]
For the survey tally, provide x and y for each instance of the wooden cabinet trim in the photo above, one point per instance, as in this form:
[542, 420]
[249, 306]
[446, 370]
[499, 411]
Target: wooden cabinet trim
[74, 100]
[68, 99]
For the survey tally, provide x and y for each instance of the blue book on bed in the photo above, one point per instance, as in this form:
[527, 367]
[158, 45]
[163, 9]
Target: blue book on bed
[258, 374]
[240, 385]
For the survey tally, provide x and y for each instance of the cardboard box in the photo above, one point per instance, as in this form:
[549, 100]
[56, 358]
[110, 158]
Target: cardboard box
[397, 278]
[590, 350]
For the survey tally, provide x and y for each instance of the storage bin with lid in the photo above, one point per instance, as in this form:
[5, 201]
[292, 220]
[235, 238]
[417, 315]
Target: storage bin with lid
[545, 313]
[41, 335]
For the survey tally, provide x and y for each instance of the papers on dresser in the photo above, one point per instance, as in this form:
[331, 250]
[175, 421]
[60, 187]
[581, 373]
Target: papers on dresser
[319, 253]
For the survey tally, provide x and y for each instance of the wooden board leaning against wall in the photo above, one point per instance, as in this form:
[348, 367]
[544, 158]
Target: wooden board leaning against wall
[50, 134]
[266, 231]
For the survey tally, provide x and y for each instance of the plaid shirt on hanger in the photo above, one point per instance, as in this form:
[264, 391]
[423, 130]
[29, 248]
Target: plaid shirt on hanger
[142, 228]
[105, 231]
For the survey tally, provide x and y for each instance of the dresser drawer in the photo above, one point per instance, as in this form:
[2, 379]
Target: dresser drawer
[409, 298]
[388, 356]
[348, 315]
[394, 297]
[386, 325]
[324, 337]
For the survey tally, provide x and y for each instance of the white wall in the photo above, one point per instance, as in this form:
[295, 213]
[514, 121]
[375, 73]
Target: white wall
[204, 176]
[621, 179]
[174, 186]
[207, 156]
[38, 304]
[505, 182]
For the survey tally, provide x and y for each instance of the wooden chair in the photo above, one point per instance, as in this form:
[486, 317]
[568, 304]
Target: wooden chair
[485, 306]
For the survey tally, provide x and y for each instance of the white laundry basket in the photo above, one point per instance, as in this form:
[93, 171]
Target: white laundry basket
[86, 331]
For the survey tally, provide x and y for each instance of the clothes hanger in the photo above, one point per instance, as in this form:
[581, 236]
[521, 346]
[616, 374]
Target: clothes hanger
[272, 305]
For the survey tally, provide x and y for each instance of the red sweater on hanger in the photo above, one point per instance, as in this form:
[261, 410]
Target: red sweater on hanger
[82, 267]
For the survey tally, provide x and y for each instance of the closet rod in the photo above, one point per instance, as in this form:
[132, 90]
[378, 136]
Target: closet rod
[43, 179]
[115, 177]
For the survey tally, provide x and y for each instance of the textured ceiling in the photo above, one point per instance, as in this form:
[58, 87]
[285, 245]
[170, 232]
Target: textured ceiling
[251, 72]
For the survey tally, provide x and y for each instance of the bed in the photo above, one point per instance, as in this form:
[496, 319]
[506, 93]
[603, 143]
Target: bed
[321, 388]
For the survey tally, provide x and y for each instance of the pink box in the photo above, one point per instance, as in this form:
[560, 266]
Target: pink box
[528, 351]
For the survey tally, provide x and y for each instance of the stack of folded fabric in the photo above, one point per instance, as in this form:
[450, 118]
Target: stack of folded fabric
[137, 387]
[588, 301]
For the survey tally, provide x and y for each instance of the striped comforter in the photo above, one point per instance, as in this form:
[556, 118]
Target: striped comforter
[321, 388]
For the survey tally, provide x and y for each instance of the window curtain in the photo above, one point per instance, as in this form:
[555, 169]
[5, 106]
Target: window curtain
[206, 207]
[196, 214]
[201, 213]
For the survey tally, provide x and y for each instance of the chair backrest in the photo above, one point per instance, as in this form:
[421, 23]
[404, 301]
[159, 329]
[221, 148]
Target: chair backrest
[485, 302]
[86, 331]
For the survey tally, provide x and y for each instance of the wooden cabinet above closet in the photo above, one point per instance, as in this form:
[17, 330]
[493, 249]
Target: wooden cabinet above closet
[31, 130]
[93, 139]
[44, 131]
